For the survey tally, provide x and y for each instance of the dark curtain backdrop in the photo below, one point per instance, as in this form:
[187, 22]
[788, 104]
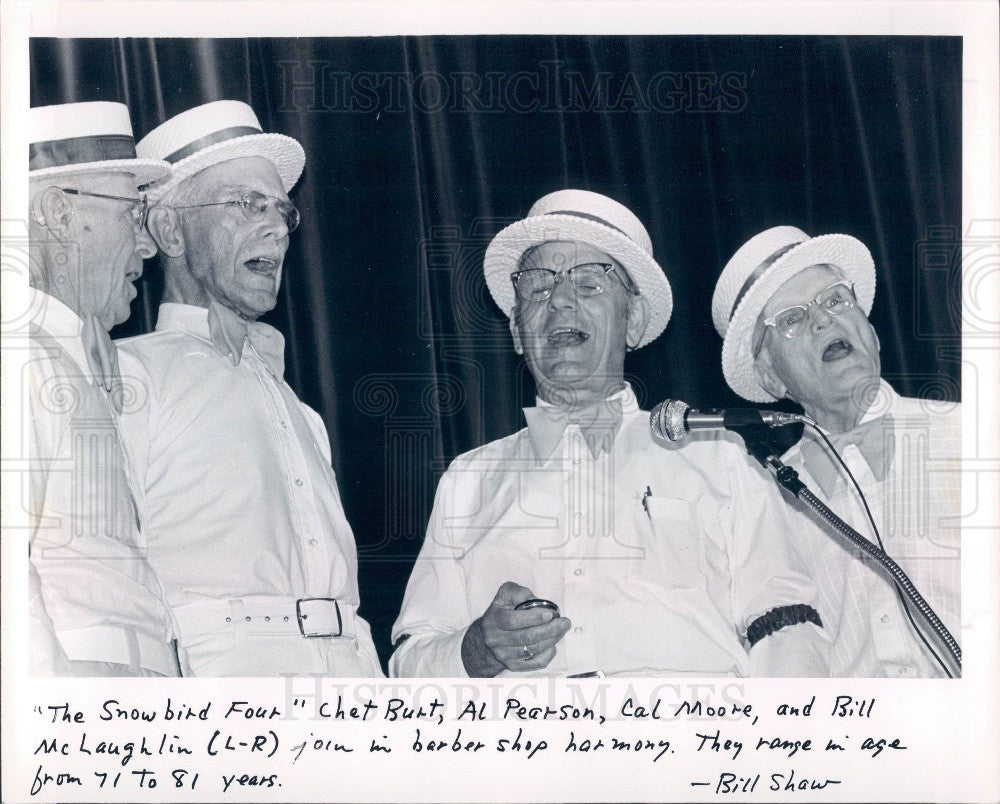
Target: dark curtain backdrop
[420, 149]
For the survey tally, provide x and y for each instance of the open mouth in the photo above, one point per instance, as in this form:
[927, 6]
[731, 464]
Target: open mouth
[837, 350]
[567, 336]
[262, 265]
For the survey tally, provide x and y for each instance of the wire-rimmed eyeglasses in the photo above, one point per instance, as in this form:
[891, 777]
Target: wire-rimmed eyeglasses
[139, 206]
[254, 207]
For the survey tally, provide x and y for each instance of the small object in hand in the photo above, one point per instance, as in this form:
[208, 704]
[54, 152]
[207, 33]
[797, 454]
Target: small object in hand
[528, 655]
[537, 603]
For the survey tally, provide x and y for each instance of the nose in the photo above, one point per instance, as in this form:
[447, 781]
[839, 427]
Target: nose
[563, 296]
[274, 222]
[819, 318]
[144, 244]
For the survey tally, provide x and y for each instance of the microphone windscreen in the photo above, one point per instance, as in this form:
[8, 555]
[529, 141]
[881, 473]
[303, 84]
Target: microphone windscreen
[666, 420]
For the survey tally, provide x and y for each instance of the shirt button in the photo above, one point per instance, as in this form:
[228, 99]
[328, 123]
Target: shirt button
[298, 481]
[313, 542]
[576, 462]
[885, 618]
[578, 630]
[284, 423]
[578, 572]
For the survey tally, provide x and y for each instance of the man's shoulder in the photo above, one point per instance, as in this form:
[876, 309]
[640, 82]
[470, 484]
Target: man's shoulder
[153, 344]
[919, 407]
[492, 453]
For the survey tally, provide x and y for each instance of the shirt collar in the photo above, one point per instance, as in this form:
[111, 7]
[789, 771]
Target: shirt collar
[62, 325]
[545, 435]
[268, 343]
[877, 446]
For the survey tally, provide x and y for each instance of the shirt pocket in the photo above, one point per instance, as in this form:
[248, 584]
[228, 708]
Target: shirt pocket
[675, 553]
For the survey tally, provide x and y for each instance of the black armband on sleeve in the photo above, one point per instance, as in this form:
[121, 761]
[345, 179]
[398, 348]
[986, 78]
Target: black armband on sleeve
[779, 618]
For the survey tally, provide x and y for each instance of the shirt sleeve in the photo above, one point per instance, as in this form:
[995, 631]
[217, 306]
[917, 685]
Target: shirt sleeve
[430, 628]
[94, 581]
[134, 424]
[767, 573]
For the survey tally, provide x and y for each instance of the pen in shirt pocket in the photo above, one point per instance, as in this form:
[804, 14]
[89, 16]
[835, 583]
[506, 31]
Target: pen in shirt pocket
[645, 501]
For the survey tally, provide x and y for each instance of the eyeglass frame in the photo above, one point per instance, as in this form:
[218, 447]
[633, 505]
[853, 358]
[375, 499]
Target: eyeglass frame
[607, 266]
[239, 202]
[142, 202]
[851, 303]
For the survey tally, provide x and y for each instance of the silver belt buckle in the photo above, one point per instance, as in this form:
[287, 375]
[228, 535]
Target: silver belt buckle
[301, 616]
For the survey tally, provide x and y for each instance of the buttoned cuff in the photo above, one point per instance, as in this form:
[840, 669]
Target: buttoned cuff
[117, 645]
[429, 656]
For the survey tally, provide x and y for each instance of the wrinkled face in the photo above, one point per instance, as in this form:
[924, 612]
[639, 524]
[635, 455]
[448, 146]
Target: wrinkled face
[832, 358]
[237, 261]
[108, 247]
[572, 342]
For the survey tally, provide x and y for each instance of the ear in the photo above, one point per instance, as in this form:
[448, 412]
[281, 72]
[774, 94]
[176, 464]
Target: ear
[767, 376]
[638, 320]
[515, 332]
[52, 209]
[165, 226]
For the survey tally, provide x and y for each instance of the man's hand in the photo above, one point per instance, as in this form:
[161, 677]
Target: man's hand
[505, 639]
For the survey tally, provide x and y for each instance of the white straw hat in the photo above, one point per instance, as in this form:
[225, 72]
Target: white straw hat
[761, 266]
[71, 139]
[589, 218]
[216, 132]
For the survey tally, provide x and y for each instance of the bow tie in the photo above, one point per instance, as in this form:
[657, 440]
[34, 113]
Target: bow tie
[874, 440]
[102, 358]
[229, 332]
[599, 424]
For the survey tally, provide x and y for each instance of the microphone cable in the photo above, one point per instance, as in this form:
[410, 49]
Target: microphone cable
[878, 537]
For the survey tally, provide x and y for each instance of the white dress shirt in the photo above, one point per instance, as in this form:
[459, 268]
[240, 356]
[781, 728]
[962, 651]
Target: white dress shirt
[103, 598]
[916, 507]
[239, 502]
[668, 592]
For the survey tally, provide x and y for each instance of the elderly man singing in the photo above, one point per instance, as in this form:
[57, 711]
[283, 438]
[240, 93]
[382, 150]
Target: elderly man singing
[242, 513]
[96, 606]
[579, 545]
[793, 312]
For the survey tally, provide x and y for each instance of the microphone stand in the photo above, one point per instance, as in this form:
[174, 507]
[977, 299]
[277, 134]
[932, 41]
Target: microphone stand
[758, 444]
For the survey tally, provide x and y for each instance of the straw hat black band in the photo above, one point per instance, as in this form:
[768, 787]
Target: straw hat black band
[80, 150]
[210, 139]
[757, 273]
[585, 216]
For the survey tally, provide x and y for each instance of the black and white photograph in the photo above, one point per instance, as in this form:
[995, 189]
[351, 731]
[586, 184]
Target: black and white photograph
[431, 385]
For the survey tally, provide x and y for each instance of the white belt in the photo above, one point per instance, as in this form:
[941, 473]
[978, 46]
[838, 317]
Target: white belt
[309, 617]
[127, 646]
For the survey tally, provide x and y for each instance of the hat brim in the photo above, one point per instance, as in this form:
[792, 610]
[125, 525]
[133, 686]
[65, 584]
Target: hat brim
[848, 254]
[283, 152]
[503, 256]
[144, 170]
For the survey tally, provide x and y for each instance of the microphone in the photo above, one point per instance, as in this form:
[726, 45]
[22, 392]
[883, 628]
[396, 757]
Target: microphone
[673, 420]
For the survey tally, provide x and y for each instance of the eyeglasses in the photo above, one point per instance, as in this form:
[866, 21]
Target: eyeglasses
[139, 206]
[588, 279]
[254, 207]
[834, 300]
